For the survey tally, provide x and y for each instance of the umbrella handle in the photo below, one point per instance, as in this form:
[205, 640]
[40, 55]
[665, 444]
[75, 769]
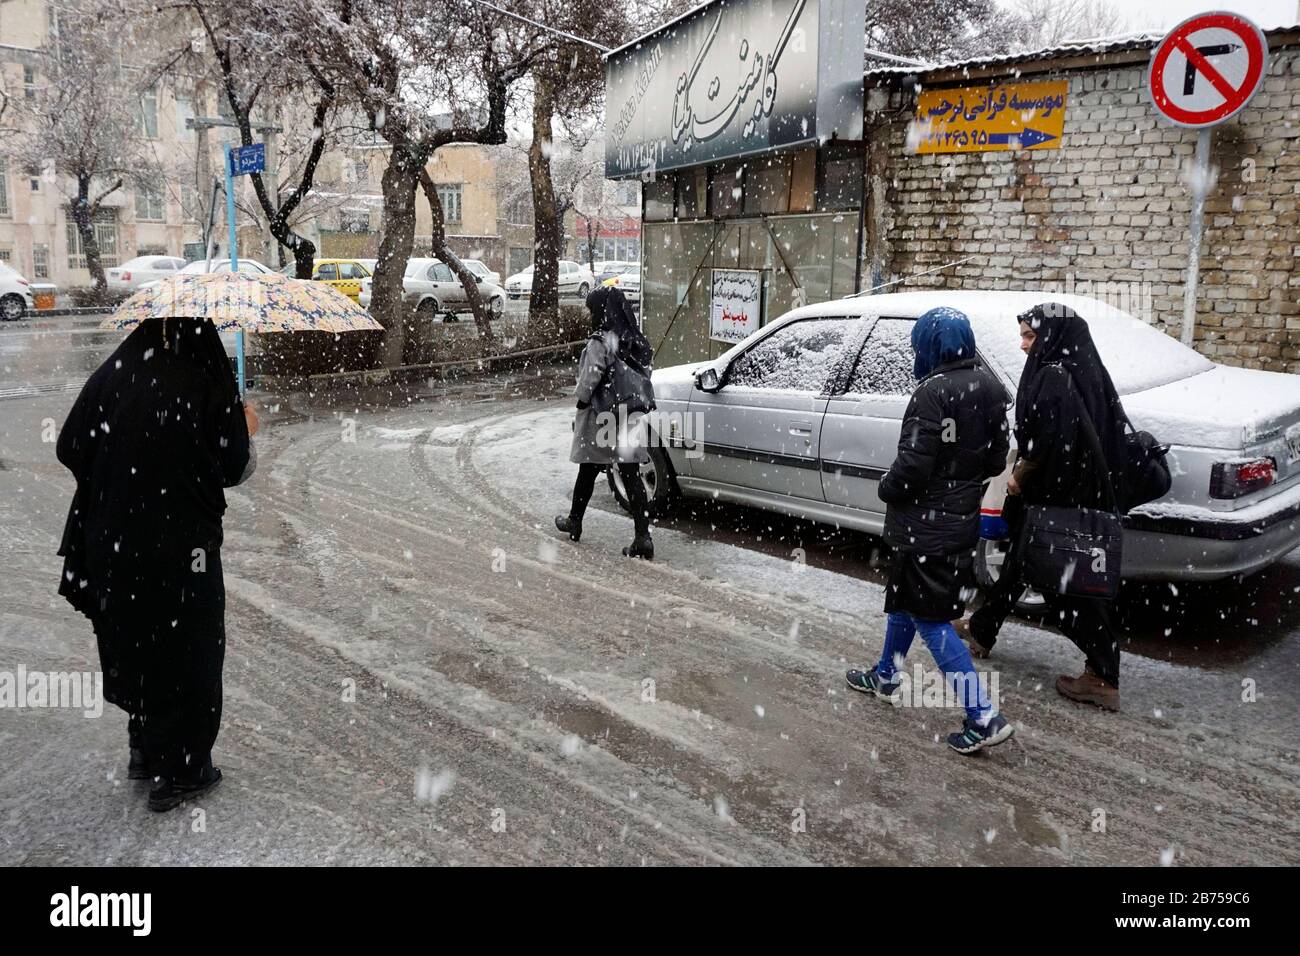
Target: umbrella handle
[239, 360]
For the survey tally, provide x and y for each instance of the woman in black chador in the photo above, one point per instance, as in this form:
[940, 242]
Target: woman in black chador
[155, 436]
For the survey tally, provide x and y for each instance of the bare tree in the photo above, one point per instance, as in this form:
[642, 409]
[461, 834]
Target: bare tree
[945, 29]
[1049, 23]
[272, 66]
[427, 73]
[85, 120]
[468, 280]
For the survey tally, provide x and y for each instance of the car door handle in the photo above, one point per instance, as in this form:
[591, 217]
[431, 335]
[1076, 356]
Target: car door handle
[801, 428]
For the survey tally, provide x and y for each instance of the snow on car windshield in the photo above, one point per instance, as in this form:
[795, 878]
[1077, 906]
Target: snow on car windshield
[800, 356]
[885, 366]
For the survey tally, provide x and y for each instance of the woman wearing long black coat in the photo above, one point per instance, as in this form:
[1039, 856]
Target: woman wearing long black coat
[155, 436]
[605, 434]
[1063, 387]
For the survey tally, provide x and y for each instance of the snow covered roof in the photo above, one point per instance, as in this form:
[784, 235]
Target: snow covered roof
[1101, 46]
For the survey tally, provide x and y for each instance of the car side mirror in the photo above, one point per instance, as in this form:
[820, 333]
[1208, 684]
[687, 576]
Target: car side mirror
[707, 380]
[478, 280]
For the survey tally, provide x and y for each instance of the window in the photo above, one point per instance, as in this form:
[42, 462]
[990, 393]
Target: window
[728, 190]
[801, 356]
[166, 265]
[885, 365]
[149, 113]
[659, 198]
[449, 196]
[40, 262]
[350, 270]
[33, 174]
[190, 202]
[841, 178]
[184, 112]
[693, 193]
[149, 204]
[354, 220]
[768, 187]
[441, 272]
[6, 255]
[520, 210]
[4, 186]
[625, 193]
[327, 272]
[29, 82]
[105, 226]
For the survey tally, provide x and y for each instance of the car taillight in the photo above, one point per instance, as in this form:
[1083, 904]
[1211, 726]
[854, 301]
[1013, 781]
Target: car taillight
[1232, 479]
[126, 277]
[23, 282]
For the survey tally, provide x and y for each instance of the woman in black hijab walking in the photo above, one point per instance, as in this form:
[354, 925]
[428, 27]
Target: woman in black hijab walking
[605, 430]
[155, 436]
[1064, 388]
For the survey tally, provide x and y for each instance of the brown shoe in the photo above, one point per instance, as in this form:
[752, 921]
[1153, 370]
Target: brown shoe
[977, 650]
[1088, 688]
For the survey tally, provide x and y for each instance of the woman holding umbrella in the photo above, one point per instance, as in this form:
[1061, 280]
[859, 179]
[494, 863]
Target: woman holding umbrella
[156, 434]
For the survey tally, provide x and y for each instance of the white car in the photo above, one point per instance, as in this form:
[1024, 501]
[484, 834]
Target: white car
[575, 280]
[803, 417]
[481, 270]
[15, 295]
[433, 289]
[134, 273]
[629, 282]
[204, 266]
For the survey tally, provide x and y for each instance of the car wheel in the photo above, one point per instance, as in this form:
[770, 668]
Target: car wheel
[582, 291]
[497, 305]
[12, 308]
[428, 309]
[989, 558]
[660, 484]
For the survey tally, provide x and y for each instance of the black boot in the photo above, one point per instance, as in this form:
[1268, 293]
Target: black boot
[167, 794]
[137, 767]
[641, 547]
[569, 525]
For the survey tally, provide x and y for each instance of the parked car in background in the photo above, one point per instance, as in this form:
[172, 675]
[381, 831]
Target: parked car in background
[15, 295]
[575, 280]
[803, 417]
[134, 273]
[343, 274]
[432, 289]
[204, 266]
[629, 281]
[481, 270]
[604, 271]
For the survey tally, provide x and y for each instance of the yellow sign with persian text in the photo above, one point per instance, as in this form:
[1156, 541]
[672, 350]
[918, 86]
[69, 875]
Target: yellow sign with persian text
[981, 119]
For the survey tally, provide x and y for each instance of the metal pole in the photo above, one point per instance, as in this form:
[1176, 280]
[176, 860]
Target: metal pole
[234, 260]
[1200, 185]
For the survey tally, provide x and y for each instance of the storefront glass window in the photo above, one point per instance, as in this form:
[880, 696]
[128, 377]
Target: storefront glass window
[841, 185]
[728, 190]
[767, 187]
[659, 198]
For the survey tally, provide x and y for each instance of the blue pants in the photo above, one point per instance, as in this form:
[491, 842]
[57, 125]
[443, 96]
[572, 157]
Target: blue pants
[949, 651]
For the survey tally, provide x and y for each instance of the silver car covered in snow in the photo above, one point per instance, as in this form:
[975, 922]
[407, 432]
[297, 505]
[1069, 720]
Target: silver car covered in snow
[803, 418]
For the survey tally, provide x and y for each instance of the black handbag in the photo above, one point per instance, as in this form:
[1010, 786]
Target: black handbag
[1146, 473]
[1073, 550]
[624, 383]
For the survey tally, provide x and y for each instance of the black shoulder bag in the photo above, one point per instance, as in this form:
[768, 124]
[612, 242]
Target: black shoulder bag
[1072, 550]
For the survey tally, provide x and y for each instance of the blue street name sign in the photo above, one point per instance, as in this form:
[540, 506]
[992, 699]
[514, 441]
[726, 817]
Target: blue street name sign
[248, 159]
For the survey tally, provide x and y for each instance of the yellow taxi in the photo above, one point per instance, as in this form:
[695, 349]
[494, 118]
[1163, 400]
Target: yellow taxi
[343, 274]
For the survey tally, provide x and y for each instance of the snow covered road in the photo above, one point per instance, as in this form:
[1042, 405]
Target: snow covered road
[419, 670]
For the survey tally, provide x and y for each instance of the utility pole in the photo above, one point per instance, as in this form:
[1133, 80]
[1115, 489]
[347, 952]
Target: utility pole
[201, 125]
[202, 161]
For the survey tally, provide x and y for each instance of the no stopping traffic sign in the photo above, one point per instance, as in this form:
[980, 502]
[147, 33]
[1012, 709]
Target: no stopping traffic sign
[1207, 68]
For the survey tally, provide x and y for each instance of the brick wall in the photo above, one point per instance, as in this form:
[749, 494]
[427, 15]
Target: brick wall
[1111, 206]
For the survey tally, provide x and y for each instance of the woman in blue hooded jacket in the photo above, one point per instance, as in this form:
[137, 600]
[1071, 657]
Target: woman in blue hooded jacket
[953, 440]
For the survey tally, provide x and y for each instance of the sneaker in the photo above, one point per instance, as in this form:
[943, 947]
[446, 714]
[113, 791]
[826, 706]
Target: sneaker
[870, 682]
[973, 736]
[168, 794]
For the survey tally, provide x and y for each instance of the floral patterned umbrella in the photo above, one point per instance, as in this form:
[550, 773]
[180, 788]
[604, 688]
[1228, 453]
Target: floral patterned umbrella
[245, 301]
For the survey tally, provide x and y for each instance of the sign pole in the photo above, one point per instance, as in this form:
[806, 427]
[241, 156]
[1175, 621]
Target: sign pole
[1200, 186]
[234, 260]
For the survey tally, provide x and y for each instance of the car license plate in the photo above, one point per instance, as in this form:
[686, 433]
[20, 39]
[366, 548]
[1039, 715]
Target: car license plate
[1293, 444]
